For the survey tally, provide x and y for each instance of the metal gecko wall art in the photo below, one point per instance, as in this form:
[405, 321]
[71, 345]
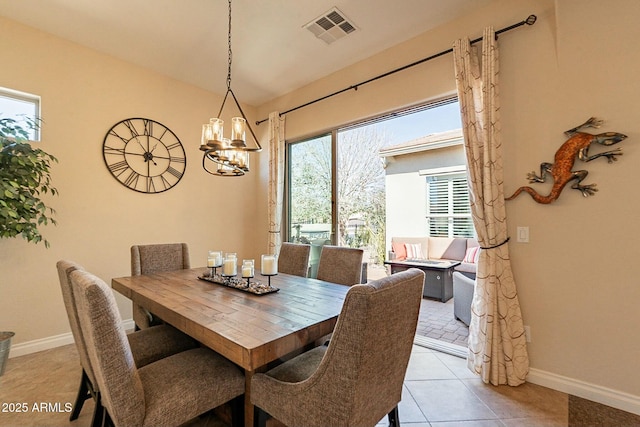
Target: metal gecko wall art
[561, 169]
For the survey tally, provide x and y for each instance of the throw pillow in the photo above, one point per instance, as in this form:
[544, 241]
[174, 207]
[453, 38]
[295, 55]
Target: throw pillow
[414, 251]
[399, 250]
[472, 255]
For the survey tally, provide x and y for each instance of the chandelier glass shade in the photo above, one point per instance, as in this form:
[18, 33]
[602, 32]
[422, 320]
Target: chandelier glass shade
[227, 156]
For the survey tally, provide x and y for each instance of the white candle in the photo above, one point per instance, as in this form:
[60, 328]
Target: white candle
[230, 267]
[247, 271]
[269, 265]
[210, 262]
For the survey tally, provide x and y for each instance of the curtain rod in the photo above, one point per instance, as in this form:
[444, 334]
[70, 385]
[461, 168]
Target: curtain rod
[531, 19]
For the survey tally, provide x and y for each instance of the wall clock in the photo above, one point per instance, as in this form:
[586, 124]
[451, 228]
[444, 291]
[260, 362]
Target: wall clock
[144, 155]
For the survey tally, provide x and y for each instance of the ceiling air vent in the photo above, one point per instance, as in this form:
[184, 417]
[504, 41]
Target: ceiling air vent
[330, 26]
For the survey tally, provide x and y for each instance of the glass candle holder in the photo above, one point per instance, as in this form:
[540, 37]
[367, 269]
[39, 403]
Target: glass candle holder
[214, 260]
[207, 135]
[248, 268]
[243, 160]
[238, 126]
[216, 257]
[212, 134]
[217, 129]
[230, 265]
[269, 265]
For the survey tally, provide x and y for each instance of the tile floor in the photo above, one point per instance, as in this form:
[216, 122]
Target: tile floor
[439, 391]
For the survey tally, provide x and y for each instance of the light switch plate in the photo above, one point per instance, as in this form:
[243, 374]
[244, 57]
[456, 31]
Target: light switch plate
[523, 234]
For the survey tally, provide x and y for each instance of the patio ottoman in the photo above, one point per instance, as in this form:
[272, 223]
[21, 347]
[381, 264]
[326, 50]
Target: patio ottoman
[463, 287]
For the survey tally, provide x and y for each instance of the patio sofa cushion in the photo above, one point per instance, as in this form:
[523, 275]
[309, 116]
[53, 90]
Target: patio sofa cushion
[414, 251]
[400, 251]
[452, 248]
[469, 264]
[472, 255]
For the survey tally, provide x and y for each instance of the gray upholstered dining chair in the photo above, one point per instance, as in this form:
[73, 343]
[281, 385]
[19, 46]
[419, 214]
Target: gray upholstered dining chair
[294, 259]
[340, 265]
[147, 346]
[168, 392]
[149, 259]
[357, 379]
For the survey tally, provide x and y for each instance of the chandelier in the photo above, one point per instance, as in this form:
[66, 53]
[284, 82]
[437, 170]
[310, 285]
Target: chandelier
[227, 156]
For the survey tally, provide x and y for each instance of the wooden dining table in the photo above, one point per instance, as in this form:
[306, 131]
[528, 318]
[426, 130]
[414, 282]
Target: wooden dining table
[252, 331]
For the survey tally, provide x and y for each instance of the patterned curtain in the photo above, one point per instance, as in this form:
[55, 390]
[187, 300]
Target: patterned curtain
[276, 180]
[497, 345]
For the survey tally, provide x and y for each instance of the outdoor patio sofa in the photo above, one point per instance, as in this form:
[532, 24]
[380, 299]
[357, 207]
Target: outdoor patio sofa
[436, 248]
[464, 250]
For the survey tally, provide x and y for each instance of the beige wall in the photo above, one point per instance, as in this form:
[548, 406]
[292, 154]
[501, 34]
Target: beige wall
[578, 290]
[83, 94]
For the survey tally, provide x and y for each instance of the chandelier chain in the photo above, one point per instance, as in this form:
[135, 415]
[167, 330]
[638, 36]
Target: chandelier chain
[229, 51]
[230, 155]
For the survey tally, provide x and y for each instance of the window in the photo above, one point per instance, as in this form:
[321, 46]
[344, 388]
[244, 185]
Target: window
[448, 209]
[23, 108]
[310, 190]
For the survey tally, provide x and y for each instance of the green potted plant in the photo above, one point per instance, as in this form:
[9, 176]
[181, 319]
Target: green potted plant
[24, 178]
[5, 345]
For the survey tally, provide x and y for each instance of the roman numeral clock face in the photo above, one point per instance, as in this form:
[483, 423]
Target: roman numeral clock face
[144, 155]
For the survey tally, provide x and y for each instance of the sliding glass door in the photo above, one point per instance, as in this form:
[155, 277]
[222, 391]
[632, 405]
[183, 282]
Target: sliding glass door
[310, 207]
[361, 193]
[336, 192]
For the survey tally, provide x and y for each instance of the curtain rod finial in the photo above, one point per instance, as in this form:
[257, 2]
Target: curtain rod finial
[531, 19]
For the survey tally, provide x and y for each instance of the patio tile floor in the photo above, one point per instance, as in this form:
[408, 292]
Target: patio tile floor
[437, 321]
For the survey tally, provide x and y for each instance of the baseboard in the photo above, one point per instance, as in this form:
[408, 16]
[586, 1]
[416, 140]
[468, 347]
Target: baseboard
[606, 396]
[42, 344]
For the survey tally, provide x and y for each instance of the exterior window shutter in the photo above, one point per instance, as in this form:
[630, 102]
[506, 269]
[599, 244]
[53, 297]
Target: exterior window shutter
[448, 208]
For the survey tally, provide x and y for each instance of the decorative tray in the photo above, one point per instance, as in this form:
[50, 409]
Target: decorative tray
[256, 288]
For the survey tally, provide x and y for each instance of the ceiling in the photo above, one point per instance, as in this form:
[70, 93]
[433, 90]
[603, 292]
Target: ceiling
[273, 53]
